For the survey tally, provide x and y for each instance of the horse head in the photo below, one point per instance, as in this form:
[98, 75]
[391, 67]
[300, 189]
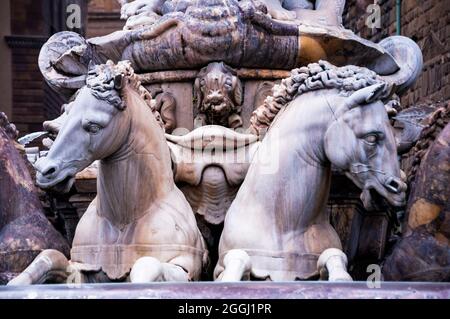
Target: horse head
[94, 127]
[361, 142]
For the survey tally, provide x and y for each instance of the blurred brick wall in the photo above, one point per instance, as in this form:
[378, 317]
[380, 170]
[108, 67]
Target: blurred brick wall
[28, 31]
[32, 22]
[103, 17]
[425, 21]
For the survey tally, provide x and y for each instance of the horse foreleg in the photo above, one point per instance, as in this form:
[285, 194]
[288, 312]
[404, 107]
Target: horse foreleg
[48, 264]
[333, 262]
[149, 269]
[237, 264]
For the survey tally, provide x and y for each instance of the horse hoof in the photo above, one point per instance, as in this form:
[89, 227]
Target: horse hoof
[146, 269]
[333, 262]
[341, 277]
[237, 264]
[21, 280]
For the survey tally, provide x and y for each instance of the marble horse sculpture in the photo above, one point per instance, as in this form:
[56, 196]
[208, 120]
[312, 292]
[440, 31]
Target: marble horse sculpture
[277, 228]
[139, 227]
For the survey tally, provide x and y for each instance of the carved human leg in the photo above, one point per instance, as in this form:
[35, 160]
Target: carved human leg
[150, 269]
[277, 11]
[237, 265]
[50, 264]
[332, 264]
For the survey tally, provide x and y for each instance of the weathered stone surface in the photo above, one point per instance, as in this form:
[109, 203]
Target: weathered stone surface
[239, 34]
[24, 229]
[245, 291]
[210, 164]
[423, 254]
[408, 126]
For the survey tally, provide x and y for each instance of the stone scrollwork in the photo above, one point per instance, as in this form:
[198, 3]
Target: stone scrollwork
[244, 37]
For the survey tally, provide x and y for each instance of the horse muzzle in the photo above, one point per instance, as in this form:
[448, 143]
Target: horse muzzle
[50, 176]
[393, 191]
[396, 191]
[395, 185]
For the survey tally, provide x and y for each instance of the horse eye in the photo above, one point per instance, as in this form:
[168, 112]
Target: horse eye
[372, 139]
[92, 128]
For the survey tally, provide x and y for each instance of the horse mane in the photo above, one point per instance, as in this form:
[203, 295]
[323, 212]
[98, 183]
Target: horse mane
[103, 81]
[315, 76]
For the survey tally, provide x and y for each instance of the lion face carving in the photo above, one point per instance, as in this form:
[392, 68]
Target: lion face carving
[218, 95]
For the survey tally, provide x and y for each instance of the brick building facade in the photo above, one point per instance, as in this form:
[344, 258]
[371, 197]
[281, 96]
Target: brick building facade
[103, 18]
[29, 101]
[425, 21]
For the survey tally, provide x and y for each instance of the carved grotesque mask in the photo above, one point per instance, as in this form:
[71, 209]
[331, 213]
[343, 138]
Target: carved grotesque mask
[218, 93]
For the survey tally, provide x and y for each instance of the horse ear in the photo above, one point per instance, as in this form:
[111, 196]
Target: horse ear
[91, 66]
[237, 91]
[197, 94]
[366, 95]
[118, 82]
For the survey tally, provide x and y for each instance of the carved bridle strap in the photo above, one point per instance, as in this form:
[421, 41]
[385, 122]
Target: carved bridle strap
[360, 168]
[355, 168]
[329, 106]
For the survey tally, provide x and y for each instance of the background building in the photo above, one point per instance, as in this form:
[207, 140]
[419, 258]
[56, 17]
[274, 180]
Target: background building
[425, 21]
[25, 26]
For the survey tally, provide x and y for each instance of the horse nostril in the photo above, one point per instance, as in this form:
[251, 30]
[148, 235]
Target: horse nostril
[393, 185]
[49, 171]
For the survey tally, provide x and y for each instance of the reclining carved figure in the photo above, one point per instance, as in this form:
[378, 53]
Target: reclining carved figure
[239, 34]
[144, 12]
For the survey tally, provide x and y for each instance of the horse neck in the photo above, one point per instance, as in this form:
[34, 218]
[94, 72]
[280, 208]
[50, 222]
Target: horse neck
[139, 175]
[306, 120]
[312, 114]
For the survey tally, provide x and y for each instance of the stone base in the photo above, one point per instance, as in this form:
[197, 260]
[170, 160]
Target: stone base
[243, 290]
